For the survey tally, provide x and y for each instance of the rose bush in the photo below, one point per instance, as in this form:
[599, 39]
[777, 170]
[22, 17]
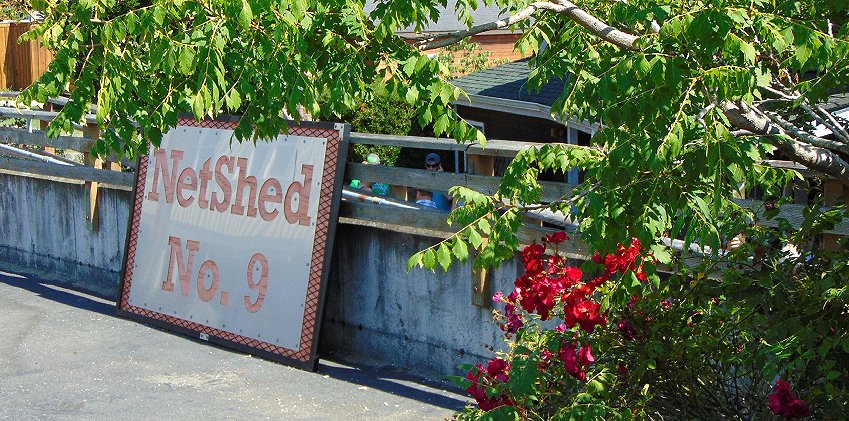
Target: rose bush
[614, 339]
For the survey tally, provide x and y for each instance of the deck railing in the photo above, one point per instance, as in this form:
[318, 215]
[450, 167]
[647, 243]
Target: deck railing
[110, 173]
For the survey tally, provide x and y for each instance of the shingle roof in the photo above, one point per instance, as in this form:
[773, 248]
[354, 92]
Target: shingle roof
[448, 19]
[509, 81]
[837, 102]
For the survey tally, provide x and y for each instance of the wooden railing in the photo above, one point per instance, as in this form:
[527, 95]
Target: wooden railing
[416, 221]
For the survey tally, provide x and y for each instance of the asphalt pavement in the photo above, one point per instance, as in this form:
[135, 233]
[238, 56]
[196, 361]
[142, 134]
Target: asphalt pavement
[64, 355]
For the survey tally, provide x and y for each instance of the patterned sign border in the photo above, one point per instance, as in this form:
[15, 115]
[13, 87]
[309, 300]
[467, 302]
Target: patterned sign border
[328, 208]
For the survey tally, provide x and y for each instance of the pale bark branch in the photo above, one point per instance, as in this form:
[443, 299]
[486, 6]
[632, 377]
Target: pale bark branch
[444, 40]
[562, 7]
[596, 26]
[821, 159]
[817, 112]
[840, 132]
[807, 137]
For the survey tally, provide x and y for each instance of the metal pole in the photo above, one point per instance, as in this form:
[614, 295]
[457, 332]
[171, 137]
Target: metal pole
[22, 153]
[364, 197]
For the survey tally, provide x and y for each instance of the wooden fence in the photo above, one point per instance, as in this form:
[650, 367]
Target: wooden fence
[20, 63]
[95, 173]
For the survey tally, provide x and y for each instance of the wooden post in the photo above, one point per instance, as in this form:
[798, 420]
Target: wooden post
[481, 278]
[91, 131]
[481, 165]
[481, 283]
[47, 107]
[834, 192]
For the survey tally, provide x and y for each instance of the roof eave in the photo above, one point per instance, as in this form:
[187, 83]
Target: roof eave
[528, 109]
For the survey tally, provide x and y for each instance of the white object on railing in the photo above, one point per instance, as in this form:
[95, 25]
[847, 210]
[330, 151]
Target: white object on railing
[361, 196]
[21, 153]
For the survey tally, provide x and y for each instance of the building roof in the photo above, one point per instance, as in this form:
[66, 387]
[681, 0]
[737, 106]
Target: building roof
[837, 102]
[448, 18]
[510, 82]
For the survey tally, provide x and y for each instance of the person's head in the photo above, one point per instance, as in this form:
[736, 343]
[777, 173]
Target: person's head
[372, 159]
[423, 195]
[433, 162]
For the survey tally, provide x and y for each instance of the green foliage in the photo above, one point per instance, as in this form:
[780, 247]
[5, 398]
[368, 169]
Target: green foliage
[667, 162]
[382, 115]
[14, 9]
[466, 57]
[144, 66]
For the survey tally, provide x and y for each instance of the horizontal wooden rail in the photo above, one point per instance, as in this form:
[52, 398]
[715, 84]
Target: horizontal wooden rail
[442, 181]
[12, 112]
[123, 180]
[434, 223]
[793, 214]
[494, 147]
[38, 138]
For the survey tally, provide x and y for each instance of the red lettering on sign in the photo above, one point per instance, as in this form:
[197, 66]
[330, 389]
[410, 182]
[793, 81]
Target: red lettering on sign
[271, 191]
[207, 294]
[300, 215]
[250, 183]
[205, 176]
[260, 285]
[168, 176]
[188, 181]
[223, 184]
[184, 268]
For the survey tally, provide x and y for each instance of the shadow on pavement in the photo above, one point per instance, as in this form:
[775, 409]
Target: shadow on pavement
[391, 381]
[59, 293]
[388, 380]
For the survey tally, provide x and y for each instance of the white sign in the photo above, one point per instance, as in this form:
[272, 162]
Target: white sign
[225, 236]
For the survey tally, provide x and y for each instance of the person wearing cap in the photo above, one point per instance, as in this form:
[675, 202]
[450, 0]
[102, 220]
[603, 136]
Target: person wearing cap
[376, 188]
[433, 163]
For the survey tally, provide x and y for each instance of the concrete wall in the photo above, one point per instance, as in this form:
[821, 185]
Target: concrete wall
[375, 313]
[43, 232]
[421, 319]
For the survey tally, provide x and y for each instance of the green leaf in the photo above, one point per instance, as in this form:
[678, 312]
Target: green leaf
[484, 226]
[159, 15]
[475, 238]
[245, 14]
[441, 124]
[523, 375]
[187, 60]
[414, 260]
[502, 413]
[444, 256]
[661, 253]
[596, 387]
[429, 259]
[460, 249]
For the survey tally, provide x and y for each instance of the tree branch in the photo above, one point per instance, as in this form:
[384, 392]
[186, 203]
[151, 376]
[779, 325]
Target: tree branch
[807, 137]
[817, 158]
[839, 131]
[443, 40]
[562, 7]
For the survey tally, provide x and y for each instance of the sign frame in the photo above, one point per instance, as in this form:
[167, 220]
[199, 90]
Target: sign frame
[336, 136]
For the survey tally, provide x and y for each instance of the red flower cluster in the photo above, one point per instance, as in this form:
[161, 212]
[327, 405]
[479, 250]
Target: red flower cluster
[623, 260]
[544, 280]
[495, 372]
[548, 280]
[556, 238]
[584, 313]
[785, 403]
[575, 365]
